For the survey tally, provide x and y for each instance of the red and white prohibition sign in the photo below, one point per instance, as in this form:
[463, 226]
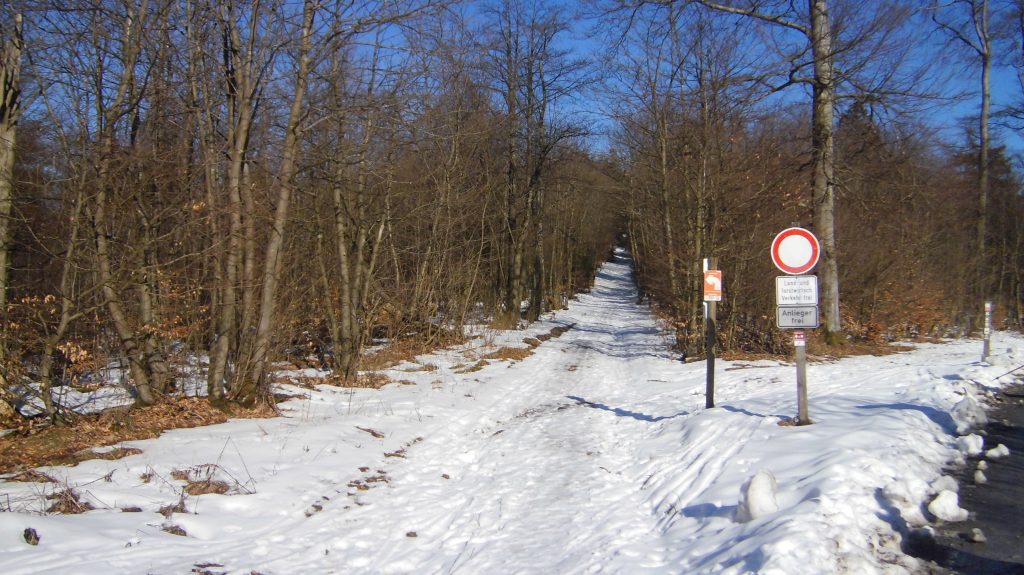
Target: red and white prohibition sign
[795, 251]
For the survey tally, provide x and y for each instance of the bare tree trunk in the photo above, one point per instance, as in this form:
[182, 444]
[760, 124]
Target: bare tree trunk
[977, 38]
[117, 109]
[352, 230]
[67, 311]
[241, 87]
[820, 37]
[333, 325]
[985, 52]
[823, 144]
[665, 195]
[251, 384]
[10, 111]
[539, 271]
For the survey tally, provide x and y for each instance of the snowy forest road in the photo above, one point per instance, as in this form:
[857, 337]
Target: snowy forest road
[549, 463]
[593, 453]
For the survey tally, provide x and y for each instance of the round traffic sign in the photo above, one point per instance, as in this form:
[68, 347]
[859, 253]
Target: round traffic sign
[795, 251]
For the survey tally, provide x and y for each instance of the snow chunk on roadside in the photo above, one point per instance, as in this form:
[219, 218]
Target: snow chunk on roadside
[970, 444]
[757, 497]
[945, 483]
[969, 414]
[998, 451]
[907, 495]
[946, 506]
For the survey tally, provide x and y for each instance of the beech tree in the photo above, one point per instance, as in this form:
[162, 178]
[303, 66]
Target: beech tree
[967, 23]
[11, 45]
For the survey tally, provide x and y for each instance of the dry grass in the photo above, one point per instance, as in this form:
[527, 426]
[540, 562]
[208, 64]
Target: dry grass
[371, 380]
[366, 483]
[207, 486]
[174, 530]
[849, 349]
[510, 353]
[818, 350]
[201, 479]
[368, 380]
[31, 476]
[35, 445]
[394, 354]
[427, 367]
[110, 454]
[67, 503]
[556, 331]
[179, 507]
[471, 368]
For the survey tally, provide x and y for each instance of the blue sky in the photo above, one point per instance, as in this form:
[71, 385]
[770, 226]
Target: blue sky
[948, 117]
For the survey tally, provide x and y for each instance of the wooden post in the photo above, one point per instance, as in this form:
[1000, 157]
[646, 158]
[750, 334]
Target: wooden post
[710, 316]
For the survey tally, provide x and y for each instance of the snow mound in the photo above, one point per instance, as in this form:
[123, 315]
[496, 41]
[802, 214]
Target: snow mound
[998, 452]
[757, 497]
[970, 444]
[907, 494]
[945, 483]
[946, 507]
[969, 415]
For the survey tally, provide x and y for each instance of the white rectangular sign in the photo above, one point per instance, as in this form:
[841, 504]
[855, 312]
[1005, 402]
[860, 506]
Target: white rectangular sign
[796, 290]
[797, 317]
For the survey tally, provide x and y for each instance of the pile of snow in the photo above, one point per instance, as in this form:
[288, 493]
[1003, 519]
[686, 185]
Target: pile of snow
[946, 507]
[971, 445]
[593, 454]
[969, 414]
[757, 497]
[998, 451]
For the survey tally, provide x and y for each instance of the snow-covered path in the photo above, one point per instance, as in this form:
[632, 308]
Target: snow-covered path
[592, 455]
[555, 458]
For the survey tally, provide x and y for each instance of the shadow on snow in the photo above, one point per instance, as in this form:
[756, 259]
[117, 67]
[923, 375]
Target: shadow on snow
[624, 412]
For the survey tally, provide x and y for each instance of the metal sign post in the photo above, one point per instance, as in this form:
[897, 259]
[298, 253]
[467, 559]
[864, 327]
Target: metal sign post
[795, 251]
[800, 344]
[986, 345]
[712, 295]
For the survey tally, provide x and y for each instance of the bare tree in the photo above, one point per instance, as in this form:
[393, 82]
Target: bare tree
[529, 76]
[250, 384]
[815, 26]
[10, 111]
[245, 62]
[967, 22]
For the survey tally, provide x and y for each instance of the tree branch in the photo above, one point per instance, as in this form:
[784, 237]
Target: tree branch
[753, 13]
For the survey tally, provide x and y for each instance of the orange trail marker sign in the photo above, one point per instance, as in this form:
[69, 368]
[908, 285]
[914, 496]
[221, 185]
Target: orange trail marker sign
[713, 285]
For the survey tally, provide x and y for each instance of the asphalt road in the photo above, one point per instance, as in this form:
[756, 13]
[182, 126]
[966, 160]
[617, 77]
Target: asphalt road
[996, 507]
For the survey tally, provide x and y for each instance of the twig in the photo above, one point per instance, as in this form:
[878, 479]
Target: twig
[1009, 372]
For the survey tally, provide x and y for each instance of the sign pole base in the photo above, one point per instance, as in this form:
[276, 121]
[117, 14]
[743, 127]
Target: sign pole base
[801, 378]
[986, 346]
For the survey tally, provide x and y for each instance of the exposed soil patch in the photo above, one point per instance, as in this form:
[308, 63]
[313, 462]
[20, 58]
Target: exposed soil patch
[31, 476]
[818, 350]
[34, 445]
[511, 353]
[405, 349]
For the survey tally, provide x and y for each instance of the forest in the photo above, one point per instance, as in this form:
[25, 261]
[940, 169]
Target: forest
[242, 183]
